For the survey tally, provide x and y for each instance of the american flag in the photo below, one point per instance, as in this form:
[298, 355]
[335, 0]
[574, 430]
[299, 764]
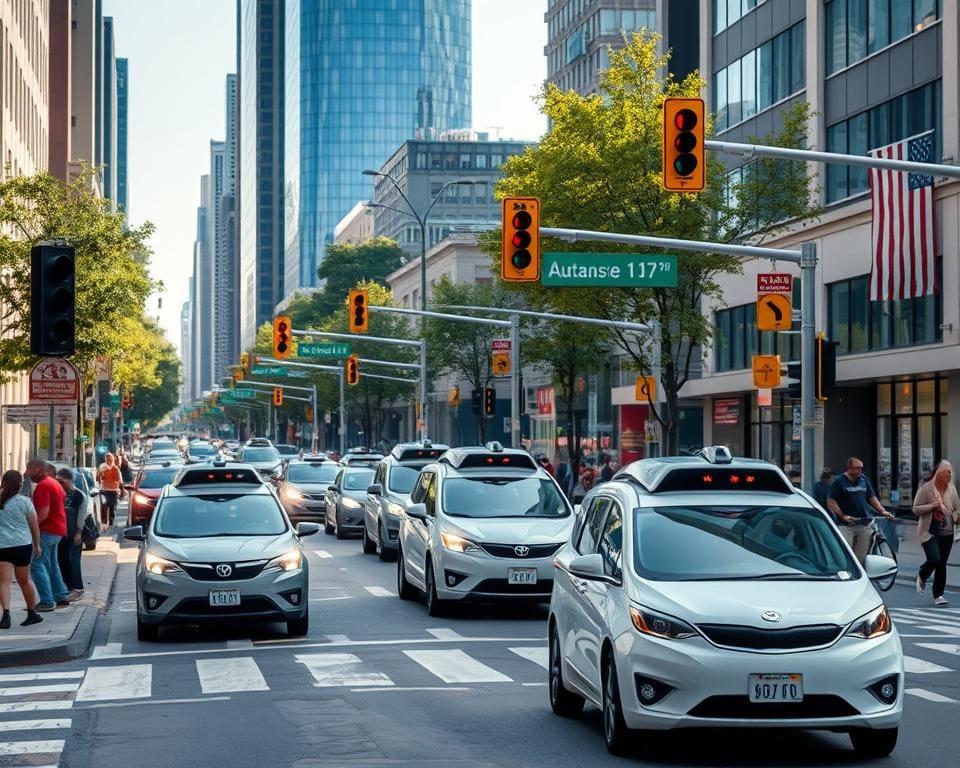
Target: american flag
[904, 246]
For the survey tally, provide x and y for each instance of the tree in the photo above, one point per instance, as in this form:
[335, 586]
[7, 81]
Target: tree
[152, 403]
[600, 169]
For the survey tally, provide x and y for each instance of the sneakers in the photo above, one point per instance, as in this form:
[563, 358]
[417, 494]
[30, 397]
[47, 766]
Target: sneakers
[63, 603]
[44, 607]
[32, 618]
[75, 594]
[5, 621]
[941, 600]
[921, 586]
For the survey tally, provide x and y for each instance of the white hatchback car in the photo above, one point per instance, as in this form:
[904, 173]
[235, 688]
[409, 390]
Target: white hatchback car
[482, 524]
[707, 591]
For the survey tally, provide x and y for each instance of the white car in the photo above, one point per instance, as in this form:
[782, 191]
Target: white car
[709, 592]
[482, 524]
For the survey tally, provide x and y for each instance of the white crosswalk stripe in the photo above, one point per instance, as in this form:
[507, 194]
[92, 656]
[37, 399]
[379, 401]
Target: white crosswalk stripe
[230, 675]
[930, 696]
[51, 746]
[455, 666]
[19, 745]
[31, 725]
[331, 670]
[30, 690]
[322, 554]
[379, 592]
[920, 666]
[537, 655]
[130, 681]
[951, 648]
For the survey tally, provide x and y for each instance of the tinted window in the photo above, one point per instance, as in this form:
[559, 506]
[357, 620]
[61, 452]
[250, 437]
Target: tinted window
[593, 525]
[201, 449]
[288, 450]
[402, 479]
[502, 497]
[312, 473]
[611, 542]
[157, 478]
[357, 479]
[219, 515]
[260, 454]
[738, 542]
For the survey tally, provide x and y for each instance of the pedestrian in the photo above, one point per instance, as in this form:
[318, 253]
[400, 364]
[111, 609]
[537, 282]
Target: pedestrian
[48, 499]
[851, 500]
[70, 549]
[565, 478]
[544, 462]
[822, 487]
[126, 472]
[937, 504]
[606, 471]
[111, 484]
[19, 544]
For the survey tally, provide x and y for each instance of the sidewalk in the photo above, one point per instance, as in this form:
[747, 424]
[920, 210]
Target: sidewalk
[910, 557]
[65, 633]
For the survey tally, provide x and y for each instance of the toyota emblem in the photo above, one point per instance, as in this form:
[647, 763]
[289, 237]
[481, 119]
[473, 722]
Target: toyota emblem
[224, 570]
[771, 616]
[522, 550]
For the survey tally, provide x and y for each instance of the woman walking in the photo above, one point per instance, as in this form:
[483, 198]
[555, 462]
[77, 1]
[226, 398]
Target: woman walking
[937, 504]
[19, 544]
[111, 487]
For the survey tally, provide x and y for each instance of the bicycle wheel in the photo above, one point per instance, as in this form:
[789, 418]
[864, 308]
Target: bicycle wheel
[882, 547]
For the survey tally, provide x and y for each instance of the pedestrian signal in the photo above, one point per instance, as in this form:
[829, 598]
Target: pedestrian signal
[282, 337]
[359, 314]
[278, 396]
[353, 370]
[521, 239]
[684, 169]
[826, 367]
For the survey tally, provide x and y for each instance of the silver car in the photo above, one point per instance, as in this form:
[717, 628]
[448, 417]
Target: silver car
[345, 498]
[219, 548]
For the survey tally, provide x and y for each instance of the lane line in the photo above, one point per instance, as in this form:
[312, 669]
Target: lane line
[930, 696]
[919, 666]
[24, 677]
[411, 688]
[109, 704]
[335, 670]
[536, 655]
[132, 681]
[379, 592]
[444, 633]
[327, 599]
[951, 648]
[230, 675]
[240, 645]
[338, 638]
[533, 685]
[53, 746]
[35, 706]
[28, 690]
[31, 725]
[455, 666]
[323, 554]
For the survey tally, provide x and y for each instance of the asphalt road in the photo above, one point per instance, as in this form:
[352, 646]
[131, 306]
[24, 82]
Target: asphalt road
[379, 683]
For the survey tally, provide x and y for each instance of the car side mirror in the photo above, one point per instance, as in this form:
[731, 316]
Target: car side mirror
[307, 529]
[587, 566]
[417, 511]
[375, 490]
[134, 533]
[879, 567]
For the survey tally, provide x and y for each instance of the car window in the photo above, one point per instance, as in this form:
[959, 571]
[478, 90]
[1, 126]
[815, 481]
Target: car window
[416, 495]
[611, 542]
[402, 479]
[357, 479]
[157, 478]
[503, 497]
[593, 525]
[430, 492]
[260, 454]
[219, 515]
[311, 473]
[708, 542]
[201, 449]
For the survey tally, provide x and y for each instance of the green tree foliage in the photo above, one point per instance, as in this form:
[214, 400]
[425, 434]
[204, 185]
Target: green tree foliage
[152, 403]
[599, 168]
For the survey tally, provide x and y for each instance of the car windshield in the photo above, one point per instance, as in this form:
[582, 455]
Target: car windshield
[288, 450]
[201, 449]
[357, 479]
[401, 479]
[502, 497]
[187, 517]
[707, 543]
[162, 455]
[312, 473]
[157, 478]
[163, 445]
[260, 454]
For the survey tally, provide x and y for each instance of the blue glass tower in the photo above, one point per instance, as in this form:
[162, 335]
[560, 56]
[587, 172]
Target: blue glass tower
[362, 78]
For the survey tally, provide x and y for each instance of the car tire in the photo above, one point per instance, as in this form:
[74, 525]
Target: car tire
[615, 731]
[368, 546]
[874, 743]
[383, 553]
[405, 589]
[563, 702]
[435, 606]
[146, 632]
[299, 627]
[341, 534]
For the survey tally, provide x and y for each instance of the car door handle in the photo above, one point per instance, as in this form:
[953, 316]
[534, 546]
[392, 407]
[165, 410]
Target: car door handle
[579, 585]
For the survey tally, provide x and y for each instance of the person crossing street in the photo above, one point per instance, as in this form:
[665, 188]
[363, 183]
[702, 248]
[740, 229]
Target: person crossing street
[937, 505]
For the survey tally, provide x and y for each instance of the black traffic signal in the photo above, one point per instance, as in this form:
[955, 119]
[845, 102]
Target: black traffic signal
[794, 371]
[476, 400]
[826, 376]
[53, 301]
[489, 401]
[282, 337]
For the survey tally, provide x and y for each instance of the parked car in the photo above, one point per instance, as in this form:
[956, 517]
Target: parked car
[145, 489]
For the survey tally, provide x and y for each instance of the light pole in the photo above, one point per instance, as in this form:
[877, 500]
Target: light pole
[422, 222]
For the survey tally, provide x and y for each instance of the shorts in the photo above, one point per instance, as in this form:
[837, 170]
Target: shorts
[109, 498]
[18, 556]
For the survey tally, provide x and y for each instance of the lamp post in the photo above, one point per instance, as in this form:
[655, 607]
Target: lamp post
[422, 222]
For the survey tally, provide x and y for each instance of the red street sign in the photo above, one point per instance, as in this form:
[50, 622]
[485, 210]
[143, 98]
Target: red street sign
[54, 380]
[545, 400]
[500, 345]
[774, 282]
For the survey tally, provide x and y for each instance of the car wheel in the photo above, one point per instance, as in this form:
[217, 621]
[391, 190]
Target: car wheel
[146, 632]
[435, 606]
[871, 743]
[404, 588]
[382, 552]
[299, 627]
[368, 546]
[341, 534]
[615, 731]
[562, 702]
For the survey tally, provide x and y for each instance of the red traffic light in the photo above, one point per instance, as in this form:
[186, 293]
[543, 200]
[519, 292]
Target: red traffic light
[685, 120]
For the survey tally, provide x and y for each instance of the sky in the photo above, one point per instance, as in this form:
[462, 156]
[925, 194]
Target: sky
[178, 62]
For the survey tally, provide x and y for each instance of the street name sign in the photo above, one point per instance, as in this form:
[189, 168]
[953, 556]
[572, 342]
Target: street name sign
[324, 349]
[774, 282]
[40, 414]
[271, 371]
[244, 393]
[618, 270]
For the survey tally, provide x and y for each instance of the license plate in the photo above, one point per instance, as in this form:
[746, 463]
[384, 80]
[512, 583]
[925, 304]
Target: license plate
[521, 576]
[224, 597]
[776, 688]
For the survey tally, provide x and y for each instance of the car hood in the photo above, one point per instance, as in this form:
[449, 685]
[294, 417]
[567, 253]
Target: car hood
[221, 549]
[743, 603]
[310, 487]
[511, 530]
[360, 495]
[261, 465]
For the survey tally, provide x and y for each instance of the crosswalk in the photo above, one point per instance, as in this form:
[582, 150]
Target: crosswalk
[930, 636]
[33, 716]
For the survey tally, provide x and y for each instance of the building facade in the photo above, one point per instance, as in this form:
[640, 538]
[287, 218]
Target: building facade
[122, 84]
[186, 341]
[356, 226]
[202, 305]
[109, 158]
[361, 80]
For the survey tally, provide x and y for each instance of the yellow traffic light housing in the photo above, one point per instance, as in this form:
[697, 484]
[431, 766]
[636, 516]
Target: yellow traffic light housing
[278, 396]
[353, 370]
[245, 360]
[521, 239]
[684, 167]
[282, 337]
[357, 310]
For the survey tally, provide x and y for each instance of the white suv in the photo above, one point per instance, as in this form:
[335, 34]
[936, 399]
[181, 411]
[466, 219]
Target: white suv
[707, 591]
[482, 524]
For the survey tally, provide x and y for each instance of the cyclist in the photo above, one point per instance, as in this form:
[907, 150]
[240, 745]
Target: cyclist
[851, 499]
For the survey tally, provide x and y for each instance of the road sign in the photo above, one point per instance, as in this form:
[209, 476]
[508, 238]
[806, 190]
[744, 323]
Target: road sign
[646, 389]
[774, 282]
[766, 371]
[774, 312]
[244, 393]
[272, 371]
[114, 401]
[500, 357]
[54, 380]
[620, 270]
[324, 349]
[40, 414]
[215, 409]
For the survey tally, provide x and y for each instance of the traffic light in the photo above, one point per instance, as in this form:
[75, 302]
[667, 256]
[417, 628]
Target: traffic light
[489, 401]
[476, 400]
[282, 337]
[794, 371]
[53, 302]
[213, 398]
[684, 168]
[127, 401]
[278, 396]
[521, 239]
[245, 361]
[359, 314]
[353, 370]
[826, 370]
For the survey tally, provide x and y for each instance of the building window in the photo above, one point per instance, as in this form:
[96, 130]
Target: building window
[727, 12]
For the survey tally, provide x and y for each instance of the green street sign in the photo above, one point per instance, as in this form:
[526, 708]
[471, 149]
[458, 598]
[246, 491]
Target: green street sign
[276, 371]
[215, 409]
[323, 349]
[244, 394]
[617, 270]
[113, 401]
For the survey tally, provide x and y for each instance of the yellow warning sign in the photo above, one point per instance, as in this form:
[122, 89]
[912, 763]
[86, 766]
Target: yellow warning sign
[766, 371]
[774, 312]
[500, 363]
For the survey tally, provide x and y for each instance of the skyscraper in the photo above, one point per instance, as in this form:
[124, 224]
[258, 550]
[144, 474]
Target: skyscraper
[203, 275]
[109, 65]
[361, 81]
[122, 134]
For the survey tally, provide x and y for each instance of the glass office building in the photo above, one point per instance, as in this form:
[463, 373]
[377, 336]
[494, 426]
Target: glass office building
[362, 78]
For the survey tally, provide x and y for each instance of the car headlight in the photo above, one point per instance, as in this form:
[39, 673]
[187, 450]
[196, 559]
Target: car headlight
[160, 566]
[139, 498]
[874, 624]
[457, 544]
[394, 509]
[659, 624]
[350, 503]
[288, 561]
[292, 493]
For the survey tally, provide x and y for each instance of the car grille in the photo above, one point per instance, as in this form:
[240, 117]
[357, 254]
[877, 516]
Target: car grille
[509, 550]
[200, 606]
[315, 496]
[816, 706]
[208, 571]
[501, 587]
[795, 638]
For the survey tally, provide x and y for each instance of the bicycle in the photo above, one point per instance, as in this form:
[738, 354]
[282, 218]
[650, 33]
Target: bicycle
[880, 546]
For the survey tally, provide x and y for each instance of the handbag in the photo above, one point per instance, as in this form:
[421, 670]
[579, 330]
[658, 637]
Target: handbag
[89, 534]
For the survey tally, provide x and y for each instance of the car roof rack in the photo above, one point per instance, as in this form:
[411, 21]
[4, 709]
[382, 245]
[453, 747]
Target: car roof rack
[475, 457]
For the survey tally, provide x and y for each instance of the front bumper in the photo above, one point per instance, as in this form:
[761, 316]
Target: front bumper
[350, 519]
[479, 576]
[710, 685]
[311, 510]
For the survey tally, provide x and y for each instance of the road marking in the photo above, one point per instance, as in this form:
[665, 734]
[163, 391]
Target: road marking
[333, 670]
[943, 630]
[30, 725]
[951, 648]
[25, 677]
[444, 633]
[26, 690]
[930, 696]
[54, 746]
[328, 599]
[919, 666]
[931, 615]
[536, 655]
[230, 675]
[35, 706]
[108, 704]
[240, 645]
[455, 666]
[128, 605]
[343, 569]
[338, 638]
[132, 681]
[938, 610]
[411, 688]
[322, 554]
[533, 685]
[107, 650]
[379, 592]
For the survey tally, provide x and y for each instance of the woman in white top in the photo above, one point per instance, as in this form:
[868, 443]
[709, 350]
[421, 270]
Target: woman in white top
[19, 544]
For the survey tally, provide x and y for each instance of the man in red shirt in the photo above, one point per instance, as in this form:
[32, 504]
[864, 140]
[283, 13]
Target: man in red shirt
[48, 497]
